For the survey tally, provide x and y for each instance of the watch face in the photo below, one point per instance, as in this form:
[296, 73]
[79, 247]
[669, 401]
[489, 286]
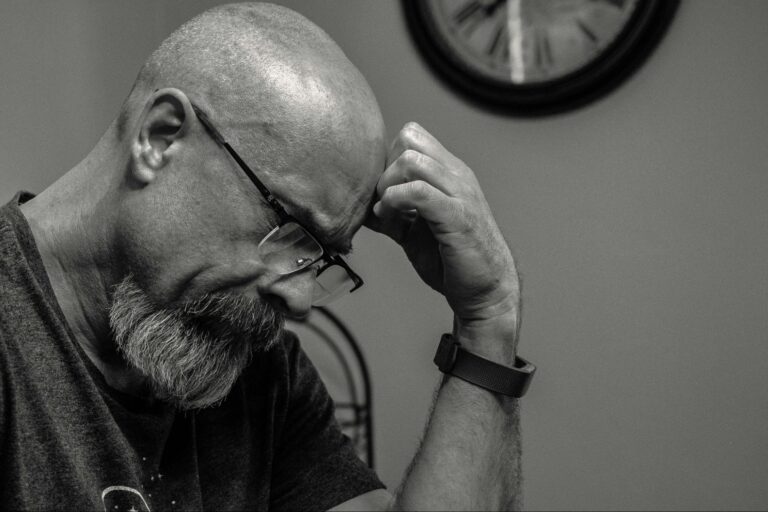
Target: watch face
[536, 56]
[531, 41]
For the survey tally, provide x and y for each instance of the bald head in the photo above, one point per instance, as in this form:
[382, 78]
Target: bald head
[159, 206]
[284, 95]
[154, 242]
[264, 67]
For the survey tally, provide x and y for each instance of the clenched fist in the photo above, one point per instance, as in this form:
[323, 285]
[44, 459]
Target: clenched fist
[430, 202]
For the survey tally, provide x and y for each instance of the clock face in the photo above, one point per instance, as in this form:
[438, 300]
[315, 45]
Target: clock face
[536, 56]
[529, 41]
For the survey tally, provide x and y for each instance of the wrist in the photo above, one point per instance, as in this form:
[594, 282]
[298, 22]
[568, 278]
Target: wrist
[494, 338]
[510, 380]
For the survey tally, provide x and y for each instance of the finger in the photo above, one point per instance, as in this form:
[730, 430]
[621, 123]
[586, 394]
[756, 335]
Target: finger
[414, 136]
[412, 165]
[430, 203]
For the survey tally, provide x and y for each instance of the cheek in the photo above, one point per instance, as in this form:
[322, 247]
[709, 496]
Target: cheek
[165, 244]
[185, 224]
[179, 264]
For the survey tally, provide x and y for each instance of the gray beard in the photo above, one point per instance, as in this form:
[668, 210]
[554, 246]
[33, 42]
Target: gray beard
[191, 354]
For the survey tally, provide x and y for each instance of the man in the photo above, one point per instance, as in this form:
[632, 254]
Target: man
[142, 359]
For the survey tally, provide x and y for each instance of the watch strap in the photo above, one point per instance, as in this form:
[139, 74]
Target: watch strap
[453, 359]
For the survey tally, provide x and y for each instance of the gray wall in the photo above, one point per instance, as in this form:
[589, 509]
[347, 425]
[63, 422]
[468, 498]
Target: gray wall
[640, 224]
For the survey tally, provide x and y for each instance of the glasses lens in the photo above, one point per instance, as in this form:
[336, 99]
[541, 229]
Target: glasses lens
[289, 248]
[332, 282]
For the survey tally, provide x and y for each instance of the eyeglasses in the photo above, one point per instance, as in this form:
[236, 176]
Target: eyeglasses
[290, 247]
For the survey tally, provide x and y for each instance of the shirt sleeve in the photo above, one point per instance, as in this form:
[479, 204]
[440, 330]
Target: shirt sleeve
[315, 465]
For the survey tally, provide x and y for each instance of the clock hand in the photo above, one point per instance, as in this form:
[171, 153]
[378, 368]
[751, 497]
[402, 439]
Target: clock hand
[491, 9]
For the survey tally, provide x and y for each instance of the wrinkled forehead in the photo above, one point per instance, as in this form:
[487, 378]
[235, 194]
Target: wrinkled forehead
[331, 198]
[319, 139]
[334, 226]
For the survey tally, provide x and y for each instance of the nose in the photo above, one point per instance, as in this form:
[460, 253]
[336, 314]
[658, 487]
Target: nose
[291, 294]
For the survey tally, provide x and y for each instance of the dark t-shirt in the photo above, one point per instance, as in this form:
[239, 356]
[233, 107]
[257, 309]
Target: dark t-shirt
[69, 441]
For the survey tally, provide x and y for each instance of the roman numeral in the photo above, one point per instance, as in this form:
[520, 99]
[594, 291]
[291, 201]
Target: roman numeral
[543, 51]
[587, 31]
[498, 40]
[466, 12]
[472, 14]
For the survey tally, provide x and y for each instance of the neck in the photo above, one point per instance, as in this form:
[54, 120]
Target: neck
[72, 221]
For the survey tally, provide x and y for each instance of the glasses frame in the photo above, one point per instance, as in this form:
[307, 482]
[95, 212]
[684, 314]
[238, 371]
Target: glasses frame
[285, 217]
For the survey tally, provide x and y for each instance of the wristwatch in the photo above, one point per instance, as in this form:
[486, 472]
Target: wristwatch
[454, 360]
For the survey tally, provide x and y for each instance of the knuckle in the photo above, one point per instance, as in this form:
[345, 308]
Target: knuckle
[387, 194]
[463, 169]
[411, 159]
[410, 133]
[412, 126]
[419, 189]
[470, 190]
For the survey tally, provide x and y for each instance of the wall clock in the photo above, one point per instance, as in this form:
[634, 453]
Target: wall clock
[536, 57]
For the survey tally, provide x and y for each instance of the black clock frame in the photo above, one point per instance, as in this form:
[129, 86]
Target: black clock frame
[632, 47]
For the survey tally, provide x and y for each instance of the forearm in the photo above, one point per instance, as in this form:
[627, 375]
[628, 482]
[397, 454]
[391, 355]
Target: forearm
[470, 456]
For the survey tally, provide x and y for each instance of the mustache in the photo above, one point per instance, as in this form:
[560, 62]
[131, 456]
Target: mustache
[228, 315]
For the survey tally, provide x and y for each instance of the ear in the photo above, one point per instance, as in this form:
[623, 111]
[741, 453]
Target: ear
[164, 121]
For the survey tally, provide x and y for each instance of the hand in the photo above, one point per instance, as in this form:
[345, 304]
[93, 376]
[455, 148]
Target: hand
[431, 204]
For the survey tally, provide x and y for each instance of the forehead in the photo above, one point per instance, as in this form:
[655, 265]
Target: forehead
[335, 238]
[329, 190]
[321, 162]
[331, 204]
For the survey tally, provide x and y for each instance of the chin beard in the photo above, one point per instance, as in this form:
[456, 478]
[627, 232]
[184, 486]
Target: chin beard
[191, 354]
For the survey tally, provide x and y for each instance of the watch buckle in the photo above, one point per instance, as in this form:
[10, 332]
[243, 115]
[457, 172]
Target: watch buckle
[445, 357]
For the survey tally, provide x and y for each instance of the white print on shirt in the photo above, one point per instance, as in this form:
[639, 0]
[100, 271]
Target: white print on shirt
[119, 498]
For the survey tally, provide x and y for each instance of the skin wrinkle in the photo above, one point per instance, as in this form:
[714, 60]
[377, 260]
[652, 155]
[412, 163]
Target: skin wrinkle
[356, 207]
[333, 237]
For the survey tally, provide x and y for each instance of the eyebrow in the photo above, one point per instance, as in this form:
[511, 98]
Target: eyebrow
[304, 216]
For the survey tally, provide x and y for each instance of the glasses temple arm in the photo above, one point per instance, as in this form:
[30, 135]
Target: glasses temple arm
[256, 181]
